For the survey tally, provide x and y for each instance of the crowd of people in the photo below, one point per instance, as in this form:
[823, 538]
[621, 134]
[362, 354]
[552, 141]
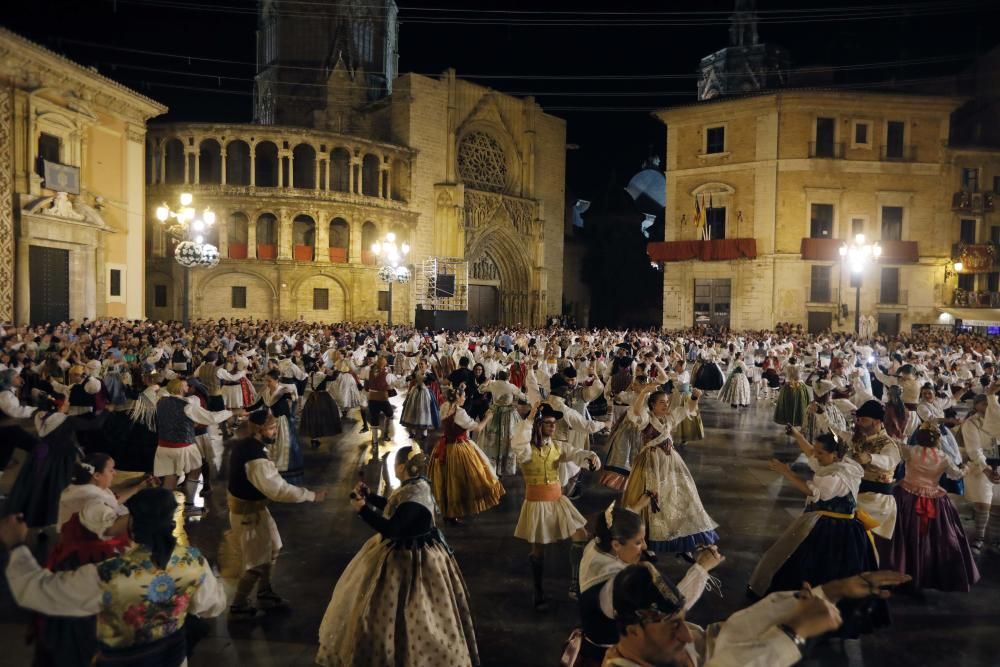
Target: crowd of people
[891, 432]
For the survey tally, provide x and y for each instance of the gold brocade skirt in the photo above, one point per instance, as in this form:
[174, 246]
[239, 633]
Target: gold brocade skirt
[464, 482]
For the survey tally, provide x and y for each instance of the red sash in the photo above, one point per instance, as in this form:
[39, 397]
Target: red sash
[441, 448]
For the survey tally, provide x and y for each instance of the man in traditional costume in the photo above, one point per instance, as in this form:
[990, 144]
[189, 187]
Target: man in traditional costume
[879, 455]
[253, 480]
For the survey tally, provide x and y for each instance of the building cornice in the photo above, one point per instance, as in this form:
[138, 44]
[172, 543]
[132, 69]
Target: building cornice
[31, 66]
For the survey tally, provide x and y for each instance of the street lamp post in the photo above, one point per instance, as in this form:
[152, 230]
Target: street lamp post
[188, 228]
[391, 272]
[857, 254]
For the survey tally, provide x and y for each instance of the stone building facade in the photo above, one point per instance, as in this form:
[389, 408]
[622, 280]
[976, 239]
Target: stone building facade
[762, 191]
[72, 199]
[455, 169]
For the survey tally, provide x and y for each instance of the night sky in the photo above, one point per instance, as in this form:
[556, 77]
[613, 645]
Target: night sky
[657, 45]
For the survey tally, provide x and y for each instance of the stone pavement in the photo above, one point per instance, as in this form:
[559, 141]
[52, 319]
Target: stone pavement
[750, 503]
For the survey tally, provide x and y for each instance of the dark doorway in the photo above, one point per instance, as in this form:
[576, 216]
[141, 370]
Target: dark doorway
[820, 322]
[483, 305]
[712, 301]
[48, 271]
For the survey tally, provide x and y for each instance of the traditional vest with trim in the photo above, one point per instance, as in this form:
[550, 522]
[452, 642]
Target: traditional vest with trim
[874, 444]
[171, 422]
[543, 468]
[243, 452]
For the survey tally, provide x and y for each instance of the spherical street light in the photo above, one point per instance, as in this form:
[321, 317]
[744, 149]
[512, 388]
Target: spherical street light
[391, 272]
[189, 229]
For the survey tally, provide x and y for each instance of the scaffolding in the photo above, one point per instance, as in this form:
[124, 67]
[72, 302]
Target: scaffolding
[443, 284]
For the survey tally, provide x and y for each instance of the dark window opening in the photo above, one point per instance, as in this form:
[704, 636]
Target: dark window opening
[159, 296]
[968, 233]
[321, 299]
[892, 223]
[115, 288]
[819, 286]
[894, 139]
[48, 151]
[825, 130]
[715, 140]
[821, 221]
[383, 300]
[239, 297]
[715, 222]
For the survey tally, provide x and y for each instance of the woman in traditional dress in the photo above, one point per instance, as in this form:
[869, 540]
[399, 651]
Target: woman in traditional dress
[736, 391]
[402, 599]
[690, 428]
[286, 453]
[822, 416]
[677, 521]
[49, 467]
[929, 542]
[93, 527]
[829, 540]
[940, 412]
[708, 375]
[420, 407]
[460, 474]
[503, 421]
[624, 442]
[793, 399]
[346, 389]
[620, 542]
[320, 413]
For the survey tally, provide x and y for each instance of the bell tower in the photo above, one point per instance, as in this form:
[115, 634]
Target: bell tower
[299, 46]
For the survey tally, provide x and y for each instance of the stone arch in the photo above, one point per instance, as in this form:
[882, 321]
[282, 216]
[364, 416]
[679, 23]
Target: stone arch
[487, 121]
[340, 240]
[340, 169]
[498, 247]
[266, 164]
[237, 234]
[338, 305]
[267, 236]
[371, 172]
[215, 295]
[238, 162]
[209, 162]
[304, 166]
[399, 187]
[174, 158]
[303, 237]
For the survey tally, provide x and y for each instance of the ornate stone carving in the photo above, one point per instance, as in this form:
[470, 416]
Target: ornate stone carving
[482, 162]
[6, 210]
[521, 214]
[485, 269]
[60, 206]
[480, 208]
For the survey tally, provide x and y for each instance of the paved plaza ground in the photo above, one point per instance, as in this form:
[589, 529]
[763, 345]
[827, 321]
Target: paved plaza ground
[750, 503]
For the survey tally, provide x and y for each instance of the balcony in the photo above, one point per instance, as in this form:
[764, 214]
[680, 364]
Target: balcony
[893, 153]
[237, 251]
[302, 253]
[826, 150]
[338, 255]
[975, 257]
[817, 295]
[828, 250]
[368, 257]
[716, 250]
[267, 251]
[973, 203]
[897, 298]
[968, 299]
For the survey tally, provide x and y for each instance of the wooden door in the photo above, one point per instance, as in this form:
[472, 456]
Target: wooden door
[48, 271]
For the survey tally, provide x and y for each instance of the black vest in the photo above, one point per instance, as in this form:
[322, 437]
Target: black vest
[78, 396]
[596, 626]
[243, 452]
[171, 422]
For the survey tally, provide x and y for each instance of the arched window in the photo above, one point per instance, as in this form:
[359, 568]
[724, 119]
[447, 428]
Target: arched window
[482, 162]
[236, 233]
[370, 173]
[340, 166]
[238, 163]
[303, 238]
[175, 161]
[210, 162]
[369, 234]
[267, 236]
[340, 240]
[266, 165]
[304, 172]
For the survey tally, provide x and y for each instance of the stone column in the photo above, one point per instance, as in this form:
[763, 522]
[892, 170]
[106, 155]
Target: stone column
[197, 166]
[321, 248]
[187, 167]
[222, 220]
[291, 169]
[252, 239]
[284, 234]
[281, 170]
[354, 245]
[100, 286]
[352, 175]
[222, 156]
[316, 182]
[253, 166]
[163, 160]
